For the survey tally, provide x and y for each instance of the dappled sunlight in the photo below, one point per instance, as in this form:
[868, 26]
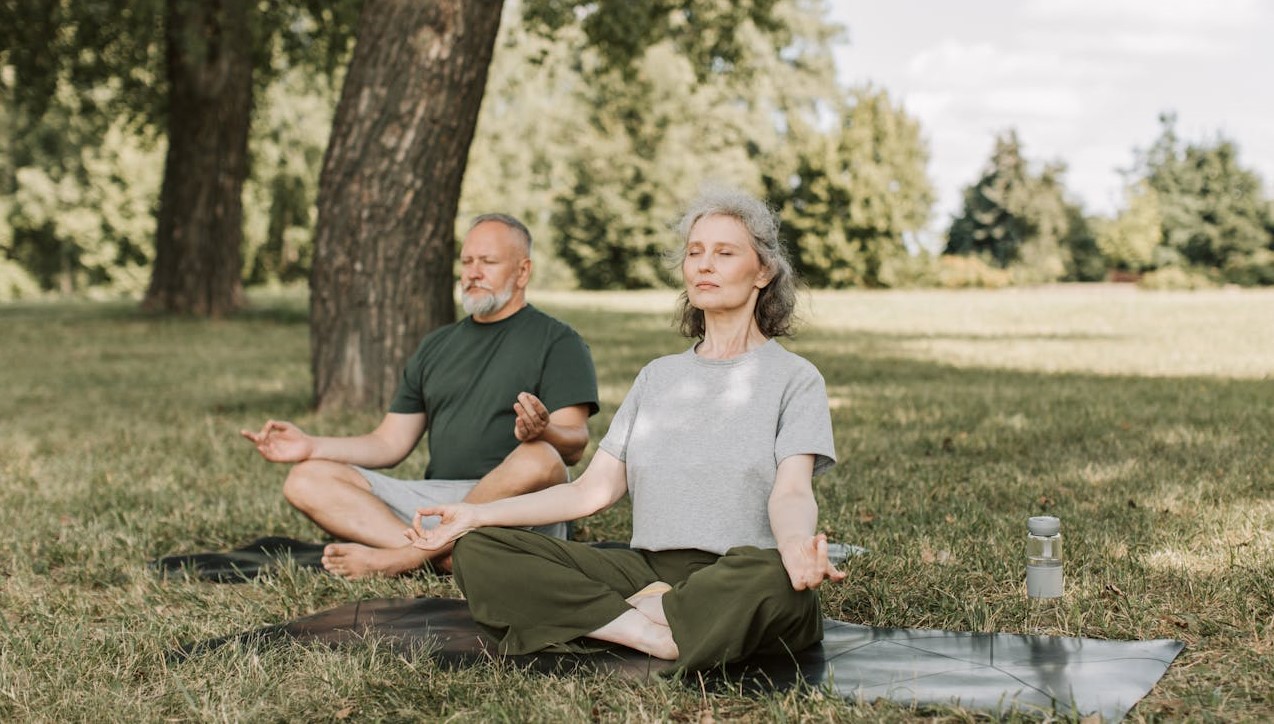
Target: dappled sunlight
[1103, 329]
[1233, 537]
[1185, 435]
[1100, 474]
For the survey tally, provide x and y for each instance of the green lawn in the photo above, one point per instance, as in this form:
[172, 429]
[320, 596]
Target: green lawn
[1145, 421]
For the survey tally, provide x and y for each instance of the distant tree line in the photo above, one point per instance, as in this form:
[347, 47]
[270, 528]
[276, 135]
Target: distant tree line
[591, 131]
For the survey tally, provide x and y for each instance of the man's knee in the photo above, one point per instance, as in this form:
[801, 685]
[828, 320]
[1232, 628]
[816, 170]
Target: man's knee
[542, 464]
[308, 481]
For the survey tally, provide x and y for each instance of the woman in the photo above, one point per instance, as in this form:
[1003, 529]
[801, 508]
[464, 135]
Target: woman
[717, 447]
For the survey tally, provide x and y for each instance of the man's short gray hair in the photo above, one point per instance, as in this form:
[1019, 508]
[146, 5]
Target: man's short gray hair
[509, 221]
[776, 303]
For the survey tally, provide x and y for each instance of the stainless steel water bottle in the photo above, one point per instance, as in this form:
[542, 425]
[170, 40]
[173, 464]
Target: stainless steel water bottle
[1043, 557]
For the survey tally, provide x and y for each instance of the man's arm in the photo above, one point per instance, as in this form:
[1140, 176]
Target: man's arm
[386, 446]
[565, 429]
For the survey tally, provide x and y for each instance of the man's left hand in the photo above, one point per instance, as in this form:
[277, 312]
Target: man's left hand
[533, 417]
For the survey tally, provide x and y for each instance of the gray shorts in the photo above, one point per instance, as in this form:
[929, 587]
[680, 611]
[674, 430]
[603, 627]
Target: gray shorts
[405, 496]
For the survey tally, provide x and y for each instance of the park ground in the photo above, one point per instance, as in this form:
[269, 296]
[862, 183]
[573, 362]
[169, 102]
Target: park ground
[1144, 420]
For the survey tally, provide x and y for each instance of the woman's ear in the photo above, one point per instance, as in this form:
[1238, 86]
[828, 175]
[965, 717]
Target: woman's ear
[763, 278]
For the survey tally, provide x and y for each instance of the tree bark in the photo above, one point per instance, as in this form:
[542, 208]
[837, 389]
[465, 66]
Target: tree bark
[199, 238]
[384, 245]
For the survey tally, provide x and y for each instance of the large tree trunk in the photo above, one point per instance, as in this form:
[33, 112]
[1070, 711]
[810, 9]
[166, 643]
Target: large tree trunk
[198, 244]
[384, 245]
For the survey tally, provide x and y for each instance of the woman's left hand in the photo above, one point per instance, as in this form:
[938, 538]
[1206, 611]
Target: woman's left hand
[807, 564]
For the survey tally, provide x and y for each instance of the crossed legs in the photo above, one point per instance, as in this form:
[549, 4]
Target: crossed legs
[643, 627]
[340, 501]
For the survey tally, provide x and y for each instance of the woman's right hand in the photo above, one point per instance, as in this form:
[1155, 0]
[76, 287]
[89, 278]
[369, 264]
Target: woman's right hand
[807, 563]
[457, 520]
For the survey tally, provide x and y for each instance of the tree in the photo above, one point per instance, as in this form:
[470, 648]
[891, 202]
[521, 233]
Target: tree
[1017, 219]
[856, 193]
[1214, 211]
[199, 241]
[680, 122]
[384, 244]
[190, 68]
[1129, 240]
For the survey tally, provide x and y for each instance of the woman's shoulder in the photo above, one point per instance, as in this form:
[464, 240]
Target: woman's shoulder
[794, 363]
[667, 362]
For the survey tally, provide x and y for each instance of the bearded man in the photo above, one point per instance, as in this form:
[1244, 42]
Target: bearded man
[505, 395]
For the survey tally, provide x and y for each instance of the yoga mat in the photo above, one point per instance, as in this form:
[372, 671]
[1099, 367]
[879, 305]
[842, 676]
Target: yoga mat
[994, 672]
[264, 555]
[241, 564]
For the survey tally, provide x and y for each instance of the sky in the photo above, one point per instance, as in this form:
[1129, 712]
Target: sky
[1082, 81]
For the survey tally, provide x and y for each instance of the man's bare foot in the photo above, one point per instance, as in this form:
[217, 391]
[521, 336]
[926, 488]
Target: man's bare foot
[355, 560]
[649, 601]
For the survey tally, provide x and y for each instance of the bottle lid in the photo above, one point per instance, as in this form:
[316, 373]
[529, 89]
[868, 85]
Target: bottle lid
[1044, 525]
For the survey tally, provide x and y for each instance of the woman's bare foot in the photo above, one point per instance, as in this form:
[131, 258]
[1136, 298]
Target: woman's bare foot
[634, 630]
[355, 560]
[649, 601]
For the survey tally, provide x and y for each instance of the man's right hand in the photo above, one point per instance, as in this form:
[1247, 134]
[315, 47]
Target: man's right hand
[281, 442]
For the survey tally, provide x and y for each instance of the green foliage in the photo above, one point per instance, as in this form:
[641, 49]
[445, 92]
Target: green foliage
[1214, 211]
[673, 134]
[651, 135]
[86, 96]
[705, 32]
[1176, 278]
[1018, 219]
[970, 272]
[856, 193]
[1129, 240]
[82, 214]
[293, 120]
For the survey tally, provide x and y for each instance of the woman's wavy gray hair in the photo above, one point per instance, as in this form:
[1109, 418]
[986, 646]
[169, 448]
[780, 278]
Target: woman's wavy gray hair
[776, 303]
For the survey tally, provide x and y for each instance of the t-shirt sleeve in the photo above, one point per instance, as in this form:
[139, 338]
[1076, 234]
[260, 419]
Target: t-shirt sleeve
[621, 426]
[410, 397]
[805, 422]
[568, 377]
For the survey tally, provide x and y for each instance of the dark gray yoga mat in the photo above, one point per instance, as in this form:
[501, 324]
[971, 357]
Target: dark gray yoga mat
[990, 672]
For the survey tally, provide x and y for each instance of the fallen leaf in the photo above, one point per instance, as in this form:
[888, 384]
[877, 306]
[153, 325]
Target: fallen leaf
[344, 713]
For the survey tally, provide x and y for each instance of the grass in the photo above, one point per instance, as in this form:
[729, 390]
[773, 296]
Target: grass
[1144, 421]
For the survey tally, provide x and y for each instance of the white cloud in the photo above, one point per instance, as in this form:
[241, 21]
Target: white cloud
[1057, 103]
[1082, 81]
[1185, 14]
[1166, 44]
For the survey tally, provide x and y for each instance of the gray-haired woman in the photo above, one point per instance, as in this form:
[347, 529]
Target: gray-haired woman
[716, 446]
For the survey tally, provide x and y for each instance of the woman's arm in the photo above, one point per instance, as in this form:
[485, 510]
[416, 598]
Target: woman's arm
[793, 519]
[602, 483]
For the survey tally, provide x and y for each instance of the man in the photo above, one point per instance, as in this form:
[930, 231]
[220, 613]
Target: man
[505, 394]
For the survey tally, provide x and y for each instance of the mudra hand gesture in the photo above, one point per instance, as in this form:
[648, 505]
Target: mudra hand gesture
[281, 442]
[456, 520]
[532, 417]
[807, 563]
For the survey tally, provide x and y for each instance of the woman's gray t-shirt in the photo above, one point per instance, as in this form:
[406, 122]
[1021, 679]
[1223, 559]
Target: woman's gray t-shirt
[702, 439]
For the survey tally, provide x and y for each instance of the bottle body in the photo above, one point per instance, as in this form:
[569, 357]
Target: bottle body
[1044, 558]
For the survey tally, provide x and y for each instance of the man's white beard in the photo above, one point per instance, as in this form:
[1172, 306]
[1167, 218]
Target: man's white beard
[485, 304]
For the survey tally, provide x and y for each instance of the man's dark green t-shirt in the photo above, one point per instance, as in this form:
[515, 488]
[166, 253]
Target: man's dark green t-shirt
[466, 376]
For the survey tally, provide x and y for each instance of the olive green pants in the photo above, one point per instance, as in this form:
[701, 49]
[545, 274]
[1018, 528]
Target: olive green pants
[535, 593]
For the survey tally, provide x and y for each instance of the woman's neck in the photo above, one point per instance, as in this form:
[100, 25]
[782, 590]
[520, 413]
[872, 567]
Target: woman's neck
[724, 338]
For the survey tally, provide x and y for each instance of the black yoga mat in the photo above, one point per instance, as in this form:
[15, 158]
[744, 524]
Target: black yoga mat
[995, 672]
[264, 555]
[242, 564]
